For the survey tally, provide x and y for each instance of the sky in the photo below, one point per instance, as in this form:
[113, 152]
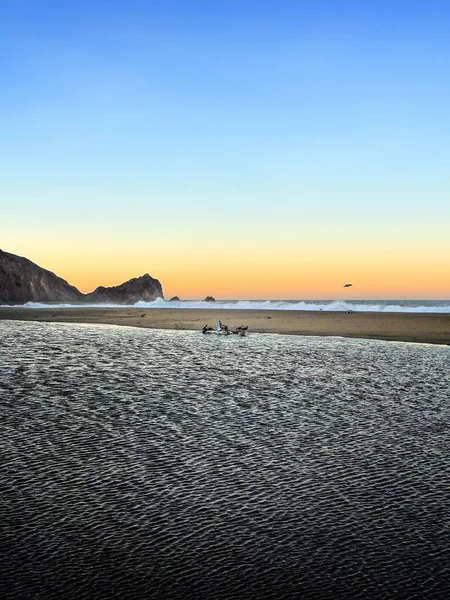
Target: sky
[240, 149]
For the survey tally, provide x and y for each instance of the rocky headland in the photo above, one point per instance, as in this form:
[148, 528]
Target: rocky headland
[143, 288]
[23, 281]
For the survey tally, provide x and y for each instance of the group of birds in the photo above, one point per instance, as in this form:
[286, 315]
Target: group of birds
[222, 329]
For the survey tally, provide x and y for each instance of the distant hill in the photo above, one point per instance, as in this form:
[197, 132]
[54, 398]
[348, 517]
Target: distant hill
[23, 281]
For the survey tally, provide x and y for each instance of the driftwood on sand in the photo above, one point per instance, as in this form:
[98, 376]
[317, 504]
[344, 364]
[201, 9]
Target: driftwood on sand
[222, 329]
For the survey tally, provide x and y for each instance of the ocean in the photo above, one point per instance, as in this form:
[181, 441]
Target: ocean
[139, 463]
[414, 306]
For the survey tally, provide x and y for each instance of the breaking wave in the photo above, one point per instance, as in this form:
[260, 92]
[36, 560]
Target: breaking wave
[408, 306]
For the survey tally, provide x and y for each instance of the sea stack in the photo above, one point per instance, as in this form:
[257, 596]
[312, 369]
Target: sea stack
[209, 299]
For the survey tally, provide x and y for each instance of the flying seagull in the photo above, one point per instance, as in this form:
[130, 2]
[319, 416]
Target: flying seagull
[348, 285]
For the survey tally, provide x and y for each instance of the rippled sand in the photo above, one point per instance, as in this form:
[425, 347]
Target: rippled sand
[411, 327]
[161, 464]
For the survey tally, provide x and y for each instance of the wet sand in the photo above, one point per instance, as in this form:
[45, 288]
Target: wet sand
[431, 328]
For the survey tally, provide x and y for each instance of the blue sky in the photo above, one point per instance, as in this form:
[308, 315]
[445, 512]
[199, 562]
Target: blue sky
[300, 119]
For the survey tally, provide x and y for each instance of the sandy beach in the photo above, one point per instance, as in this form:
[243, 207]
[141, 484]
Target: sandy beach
[408, 327]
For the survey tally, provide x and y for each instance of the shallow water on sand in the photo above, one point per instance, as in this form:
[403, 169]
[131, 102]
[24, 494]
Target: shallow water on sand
[162, 464]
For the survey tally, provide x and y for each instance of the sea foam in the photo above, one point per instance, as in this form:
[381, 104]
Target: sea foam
[391, 306]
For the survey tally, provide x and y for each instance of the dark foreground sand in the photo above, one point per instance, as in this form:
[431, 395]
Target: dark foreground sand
[408, 327]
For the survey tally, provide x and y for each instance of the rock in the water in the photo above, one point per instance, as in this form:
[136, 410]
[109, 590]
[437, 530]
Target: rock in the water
[175, 299]
[143, 288]
[23, 281]
[209, 299]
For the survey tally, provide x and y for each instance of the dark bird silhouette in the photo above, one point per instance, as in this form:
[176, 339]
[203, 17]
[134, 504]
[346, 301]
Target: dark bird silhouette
[348, 285]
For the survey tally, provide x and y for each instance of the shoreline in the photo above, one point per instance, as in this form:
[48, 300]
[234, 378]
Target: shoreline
[430, 328]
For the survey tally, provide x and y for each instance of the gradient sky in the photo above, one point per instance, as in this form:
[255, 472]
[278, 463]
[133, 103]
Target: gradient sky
[244, 149]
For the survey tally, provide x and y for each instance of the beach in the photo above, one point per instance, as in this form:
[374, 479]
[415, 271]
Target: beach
[433, 328]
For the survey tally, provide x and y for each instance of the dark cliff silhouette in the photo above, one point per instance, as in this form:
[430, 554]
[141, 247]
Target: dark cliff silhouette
[144, 288]
[23, 281]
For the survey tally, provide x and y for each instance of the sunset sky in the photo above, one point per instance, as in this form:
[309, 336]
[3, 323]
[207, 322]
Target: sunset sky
[243, 149]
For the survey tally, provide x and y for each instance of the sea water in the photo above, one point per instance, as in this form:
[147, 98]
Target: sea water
[345, 304]
[166, 464]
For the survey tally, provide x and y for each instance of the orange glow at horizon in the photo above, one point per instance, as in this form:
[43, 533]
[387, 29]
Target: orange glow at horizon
[235, 282]
[293, 273]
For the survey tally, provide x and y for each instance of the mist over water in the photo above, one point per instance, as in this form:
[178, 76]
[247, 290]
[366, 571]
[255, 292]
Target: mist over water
[414, 306]
[167, 464]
